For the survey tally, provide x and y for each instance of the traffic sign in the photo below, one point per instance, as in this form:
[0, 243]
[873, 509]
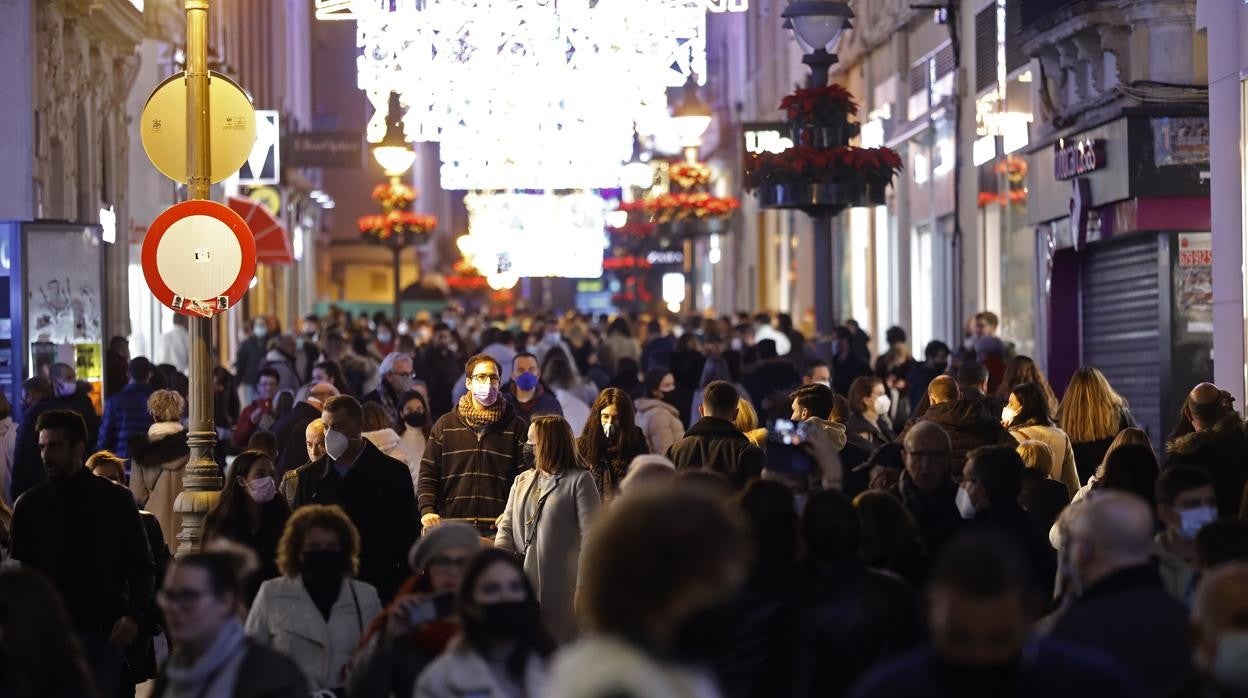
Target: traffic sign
[199, 258]
[231, 123]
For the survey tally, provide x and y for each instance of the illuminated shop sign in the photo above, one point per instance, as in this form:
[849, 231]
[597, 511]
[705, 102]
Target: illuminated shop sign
[1074, 158]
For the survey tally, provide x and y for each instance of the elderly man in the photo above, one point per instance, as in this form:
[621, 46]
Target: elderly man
[1220, 632]
[1217, 444]
[1122, 610]
[926, 487]
[396, 382]
[289, 430]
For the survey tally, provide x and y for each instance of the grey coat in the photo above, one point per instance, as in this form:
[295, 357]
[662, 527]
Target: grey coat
[552, 559]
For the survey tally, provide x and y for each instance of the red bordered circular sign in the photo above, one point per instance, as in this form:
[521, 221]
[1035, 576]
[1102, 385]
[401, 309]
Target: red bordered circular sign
[199, 258]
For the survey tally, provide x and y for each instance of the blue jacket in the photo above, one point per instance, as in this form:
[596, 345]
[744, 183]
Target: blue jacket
[125, 416]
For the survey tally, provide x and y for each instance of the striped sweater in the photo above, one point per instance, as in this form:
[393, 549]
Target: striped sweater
[467, 474]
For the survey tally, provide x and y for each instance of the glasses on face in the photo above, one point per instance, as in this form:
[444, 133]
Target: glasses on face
[443, 561]
[181, 598]
[491, 378]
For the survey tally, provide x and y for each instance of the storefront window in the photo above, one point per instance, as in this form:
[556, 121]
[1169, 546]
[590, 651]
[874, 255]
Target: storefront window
[1018, 257]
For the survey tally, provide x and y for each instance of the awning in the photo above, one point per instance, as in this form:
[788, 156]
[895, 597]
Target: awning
[272, 241]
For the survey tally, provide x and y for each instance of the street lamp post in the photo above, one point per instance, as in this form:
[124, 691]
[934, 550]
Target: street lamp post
[818, 26]
[395, 157]
[690, 119]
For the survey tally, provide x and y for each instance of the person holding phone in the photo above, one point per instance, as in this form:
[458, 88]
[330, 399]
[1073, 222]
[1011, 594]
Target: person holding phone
[547, 519]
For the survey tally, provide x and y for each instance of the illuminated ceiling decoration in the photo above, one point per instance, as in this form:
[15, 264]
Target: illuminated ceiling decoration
[528, 94]
[513, 236]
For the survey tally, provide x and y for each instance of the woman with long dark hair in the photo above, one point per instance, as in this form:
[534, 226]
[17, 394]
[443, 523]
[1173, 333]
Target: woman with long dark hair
[503, 649]
[1020, 370]
[1027, 417]
[610, 441]
[868, 413]
[39, 648]
[657, 417]
[253, 513]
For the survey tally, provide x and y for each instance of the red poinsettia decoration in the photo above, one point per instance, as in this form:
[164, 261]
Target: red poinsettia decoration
[819, 106]
[394, 196]
[396, 223]
[806, 165]
[1015, 197]
[669, 208]
[466, 283]
[690, 175]
[625, 262]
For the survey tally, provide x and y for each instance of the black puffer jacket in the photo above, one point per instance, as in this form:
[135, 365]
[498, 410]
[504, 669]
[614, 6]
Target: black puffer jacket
[464, 474]
[969, 426]
[715, 444]
[1221, 451]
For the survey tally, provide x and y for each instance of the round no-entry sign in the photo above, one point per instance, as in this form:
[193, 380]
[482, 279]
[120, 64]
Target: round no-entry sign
[199, 258]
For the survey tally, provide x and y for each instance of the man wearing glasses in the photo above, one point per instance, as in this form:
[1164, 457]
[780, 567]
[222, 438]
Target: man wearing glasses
[472, 454]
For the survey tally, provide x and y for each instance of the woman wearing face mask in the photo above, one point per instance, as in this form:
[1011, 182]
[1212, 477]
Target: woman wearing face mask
[419, 624]
[658, 419]
[1027, 418]
[868, 424]
[547, 519]
[503, 649]
[610, 441]
[316, 611]
[385, 338]
[416, 417]
[252, 513]
[202, 600]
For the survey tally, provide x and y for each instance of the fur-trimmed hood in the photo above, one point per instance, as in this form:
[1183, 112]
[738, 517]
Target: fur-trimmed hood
[1229, 427]
[164, 448]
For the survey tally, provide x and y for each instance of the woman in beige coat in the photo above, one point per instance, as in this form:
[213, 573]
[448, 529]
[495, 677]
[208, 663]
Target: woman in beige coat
[658, 420]
[1026, 415]
[158, 462]
[547, 519]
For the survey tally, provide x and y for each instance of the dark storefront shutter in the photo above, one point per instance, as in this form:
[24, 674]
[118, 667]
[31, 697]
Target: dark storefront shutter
[986, 48]
[1122, 323]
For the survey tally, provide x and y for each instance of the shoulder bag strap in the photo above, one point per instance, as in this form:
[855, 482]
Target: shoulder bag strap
[537, 515]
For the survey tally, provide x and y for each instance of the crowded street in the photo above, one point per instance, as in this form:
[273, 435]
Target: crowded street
[623, 349]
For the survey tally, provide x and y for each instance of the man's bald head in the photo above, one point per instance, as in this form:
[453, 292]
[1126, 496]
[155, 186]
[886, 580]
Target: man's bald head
[1206, 404]
[1112, 531]
[1220, 607]
[320, 393]
[942, 389]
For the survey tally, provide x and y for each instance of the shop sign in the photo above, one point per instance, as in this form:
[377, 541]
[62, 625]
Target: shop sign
[1181, 141]
[1195, 250]
[766, 137]
[659, 258]
[1078, 157]
[330, 149]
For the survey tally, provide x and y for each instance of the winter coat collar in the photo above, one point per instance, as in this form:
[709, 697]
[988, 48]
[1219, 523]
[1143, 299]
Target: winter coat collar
[835, 430]
[160, 430]
[385, 440]
[170, 451]
[962, 414]
[1143, 576]
[715, 428]
[1229, 426]
[648, 403]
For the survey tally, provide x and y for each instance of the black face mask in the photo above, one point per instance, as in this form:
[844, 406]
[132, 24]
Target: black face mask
[941, 368]
[324, 566]
[528, 456]
[509, 619]
[415, 420]
[707, 633]
[981, 680]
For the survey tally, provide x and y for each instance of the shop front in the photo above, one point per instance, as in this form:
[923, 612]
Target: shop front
[1121, 215]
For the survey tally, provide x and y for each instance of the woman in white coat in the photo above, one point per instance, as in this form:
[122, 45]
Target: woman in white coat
[547, 518]
[503, 649]
[316, 612]
[158, 461]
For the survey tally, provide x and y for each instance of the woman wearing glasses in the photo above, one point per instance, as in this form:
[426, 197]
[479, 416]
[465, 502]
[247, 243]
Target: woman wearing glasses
[202, 600]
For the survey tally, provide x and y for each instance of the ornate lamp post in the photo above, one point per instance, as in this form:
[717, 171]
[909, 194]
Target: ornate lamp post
[397, 228]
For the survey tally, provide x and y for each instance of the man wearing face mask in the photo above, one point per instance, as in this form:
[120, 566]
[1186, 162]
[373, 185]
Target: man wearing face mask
[250, 358]
[75, 396]
[526, 393]
[396, 381]
[473, 453]
[817, 371]
[988, 496]
[1185, 504]
[1219, 628]
[1218, 443]
[1121, 609]
[290, 430]
[374, 490]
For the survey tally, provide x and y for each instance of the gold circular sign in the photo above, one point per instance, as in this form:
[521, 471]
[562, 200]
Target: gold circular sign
[268, 197]
[232, 127]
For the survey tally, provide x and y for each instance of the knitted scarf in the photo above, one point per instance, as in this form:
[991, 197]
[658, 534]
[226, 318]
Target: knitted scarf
[478, 418]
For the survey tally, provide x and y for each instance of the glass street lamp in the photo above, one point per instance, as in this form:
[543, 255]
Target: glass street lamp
[818, 26]
[393, 153]
[691, 117]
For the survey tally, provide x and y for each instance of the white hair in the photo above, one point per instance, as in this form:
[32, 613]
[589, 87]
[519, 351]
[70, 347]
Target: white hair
[387, 364]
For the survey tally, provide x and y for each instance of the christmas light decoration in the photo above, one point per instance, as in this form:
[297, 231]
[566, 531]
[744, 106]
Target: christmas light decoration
[531, 235]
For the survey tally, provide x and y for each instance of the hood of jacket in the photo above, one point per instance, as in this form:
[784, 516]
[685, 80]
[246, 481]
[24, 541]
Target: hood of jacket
[834, 430]
[959, 414]
[169, 450]
[1229, 427]
[647, 404]
[385, 440]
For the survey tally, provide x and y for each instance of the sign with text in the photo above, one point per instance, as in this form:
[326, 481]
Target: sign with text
[1181, 141]
[766, 137]
[1195, 250]
[332, 149]
[1072, 158]
[660, 258]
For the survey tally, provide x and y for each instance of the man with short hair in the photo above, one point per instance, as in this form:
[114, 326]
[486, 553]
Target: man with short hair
[289, 430]
[817, 371]
[473, 453]
[973, 384]
[526, 393]
[374, 490]
[1121, 608]
[935, 362]
[396, 382]
[436, 366]
[812, 404]
[988, 495]
[714, 442]
[125, 414]
[1186, 502]
[28, 471]
[847, 364]
[258, 416]
[1218, 444]
[979, 617]
[1219, 627]
[926, 486]
[84, 533]
[75, 396]
[967, 422]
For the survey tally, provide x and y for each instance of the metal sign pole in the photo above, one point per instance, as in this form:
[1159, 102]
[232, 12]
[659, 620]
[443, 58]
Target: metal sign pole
[202, 482]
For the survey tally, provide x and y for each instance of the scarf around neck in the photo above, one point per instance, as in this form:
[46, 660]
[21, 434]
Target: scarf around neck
[208, 670]
[479, 418]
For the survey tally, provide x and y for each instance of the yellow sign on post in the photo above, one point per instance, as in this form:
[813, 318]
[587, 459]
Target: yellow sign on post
[232, 125]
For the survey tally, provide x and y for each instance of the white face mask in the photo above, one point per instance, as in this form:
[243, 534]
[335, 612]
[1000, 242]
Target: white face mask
[882, 403]
[336, 443]
[1230, 664]
[1192, 520]
[1007, 415]
[826, 384]
[608, 430]
[965, 508]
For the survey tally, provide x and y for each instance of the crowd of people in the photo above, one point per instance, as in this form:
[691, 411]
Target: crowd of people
[588, 507]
